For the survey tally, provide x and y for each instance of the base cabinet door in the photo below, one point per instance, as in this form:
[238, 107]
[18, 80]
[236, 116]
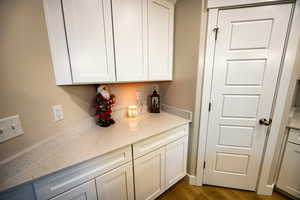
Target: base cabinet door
[150, 175]
[86, 191]
[289, 179]
[116, 184]
[176, 159]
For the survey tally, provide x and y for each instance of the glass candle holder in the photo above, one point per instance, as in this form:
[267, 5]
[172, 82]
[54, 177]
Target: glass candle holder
[132, 111]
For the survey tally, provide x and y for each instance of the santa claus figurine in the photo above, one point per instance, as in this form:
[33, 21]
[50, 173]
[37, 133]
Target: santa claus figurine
[104, 103]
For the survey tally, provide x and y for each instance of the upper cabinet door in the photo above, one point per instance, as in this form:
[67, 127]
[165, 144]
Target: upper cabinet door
[160, 39]
[130, 39]
[90, 40]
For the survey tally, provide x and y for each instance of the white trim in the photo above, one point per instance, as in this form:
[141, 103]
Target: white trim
[192, 180]
[208, 71]
[286, 77]
[222, 3]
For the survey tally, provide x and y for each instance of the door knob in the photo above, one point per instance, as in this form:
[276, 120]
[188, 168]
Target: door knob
[265, 122]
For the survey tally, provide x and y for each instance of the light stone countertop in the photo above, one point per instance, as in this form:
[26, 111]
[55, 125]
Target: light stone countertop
[295, 120]
[91, 143]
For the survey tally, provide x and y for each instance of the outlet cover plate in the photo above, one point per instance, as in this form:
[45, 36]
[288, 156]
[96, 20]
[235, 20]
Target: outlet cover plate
[10, 127]
[58, 113]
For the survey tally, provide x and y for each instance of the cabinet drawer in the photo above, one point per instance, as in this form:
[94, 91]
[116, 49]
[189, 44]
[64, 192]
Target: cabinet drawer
[294, 136]
[158, 141]
[86, 191]
[64, 180]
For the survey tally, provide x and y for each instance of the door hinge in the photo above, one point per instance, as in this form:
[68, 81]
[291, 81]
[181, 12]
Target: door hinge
[216, 30]
[204, 164]
[209, 107]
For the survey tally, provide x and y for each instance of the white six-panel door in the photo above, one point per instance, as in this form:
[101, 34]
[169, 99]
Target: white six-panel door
[90, 40]
[247, 61]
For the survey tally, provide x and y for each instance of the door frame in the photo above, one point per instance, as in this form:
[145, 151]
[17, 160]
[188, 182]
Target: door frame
[203, 93]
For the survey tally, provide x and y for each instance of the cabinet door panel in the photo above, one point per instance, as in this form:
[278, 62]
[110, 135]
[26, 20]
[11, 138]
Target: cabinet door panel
[89, 35]
[117, 184]
[176, 159]
[86, 191]
[129, 35]
[288, 179]
[160, 29]
[150, 175]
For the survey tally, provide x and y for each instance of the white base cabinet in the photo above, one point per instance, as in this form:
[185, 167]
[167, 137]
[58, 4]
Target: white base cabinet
[289, 178]
[176, 159]
[116, 185]
[86, 191]
[150, 175]
[141, 171]
[158, 170]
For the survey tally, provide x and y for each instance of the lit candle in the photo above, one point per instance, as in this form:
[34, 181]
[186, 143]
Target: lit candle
[132, 111]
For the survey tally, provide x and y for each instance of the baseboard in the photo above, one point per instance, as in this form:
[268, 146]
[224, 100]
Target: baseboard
[186, 114]
[267, 190]
[192, 180]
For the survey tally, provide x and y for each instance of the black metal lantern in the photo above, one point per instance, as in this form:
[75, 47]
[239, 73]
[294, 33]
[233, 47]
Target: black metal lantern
[155, 102]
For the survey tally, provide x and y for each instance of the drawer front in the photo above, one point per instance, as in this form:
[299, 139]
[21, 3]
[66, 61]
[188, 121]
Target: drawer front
[64, 180]
[153, 143]
[294, 136]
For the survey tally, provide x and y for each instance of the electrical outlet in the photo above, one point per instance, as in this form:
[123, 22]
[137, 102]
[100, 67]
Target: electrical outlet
[10, 127]
[58, 113]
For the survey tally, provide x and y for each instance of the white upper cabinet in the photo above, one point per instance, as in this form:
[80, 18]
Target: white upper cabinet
[90, 41]
[160, 39]
[129, 35]
[103, 41]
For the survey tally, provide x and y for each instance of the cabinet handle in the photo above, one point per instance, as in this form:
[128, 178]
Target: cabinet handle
[297, 151]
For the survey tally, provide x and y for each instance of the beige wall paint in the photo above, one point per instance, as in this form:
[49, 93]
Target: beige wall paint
[27, 85]
[181, 92]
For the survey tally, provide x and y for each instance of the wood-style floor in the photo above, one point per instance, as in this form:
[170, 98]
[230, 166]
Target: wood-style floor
[184, 191]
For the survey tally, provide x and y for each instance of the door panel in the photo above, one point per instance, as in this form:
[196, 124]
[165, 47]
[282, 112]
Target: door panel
[116, 184]
[86, 191]
[248, 53]
[252, 34]
[160, 19]
[89, 35]
[176, 158]
[129, 35]
[288, 179]
[150, 175]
